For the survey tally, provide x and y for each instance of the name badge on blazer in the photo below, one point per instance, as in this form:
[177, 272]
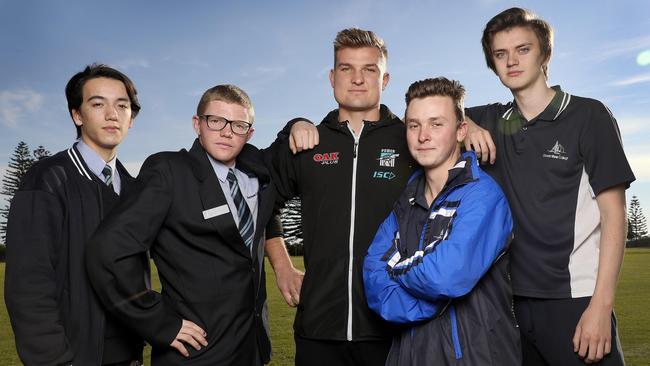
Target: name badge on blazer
[215, 211]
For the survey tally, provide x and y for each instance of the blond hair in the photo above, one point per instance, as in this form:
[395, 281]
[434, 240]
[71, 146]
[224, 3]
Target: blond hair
[358, 38]
[229, 94]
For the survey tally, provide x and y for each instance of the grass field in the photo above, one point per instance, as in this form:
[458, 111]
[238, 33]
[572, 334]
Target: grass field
[633, 296]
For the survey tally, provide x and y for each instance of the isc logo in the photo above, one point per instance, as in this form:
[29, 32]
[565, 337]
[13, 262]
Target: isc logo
[383, 175]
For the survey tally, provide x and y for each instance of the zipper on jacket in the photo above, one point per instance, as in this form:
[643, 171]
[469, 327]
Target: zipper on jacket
[355, 156]
[454, 332]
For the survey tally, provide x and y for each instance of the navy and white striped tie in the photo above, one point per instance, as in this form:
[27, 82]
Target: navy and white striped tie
[107, 172]
[246, 228]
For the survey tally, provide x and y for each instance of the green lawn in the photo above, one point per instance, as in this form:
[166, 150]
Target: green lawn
[631, 307]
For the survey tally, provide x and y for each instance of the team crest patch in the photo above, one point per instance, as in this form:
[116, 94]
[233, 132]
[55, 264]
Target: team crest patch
[387, 157]
[327, 158]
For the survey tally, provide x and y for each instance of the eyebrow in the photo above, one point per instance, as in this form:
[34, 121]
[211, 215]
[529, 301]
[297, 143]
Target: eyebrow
[430, 119]
[517, 46]
[436, 118]
[120, 99]
[350, 65]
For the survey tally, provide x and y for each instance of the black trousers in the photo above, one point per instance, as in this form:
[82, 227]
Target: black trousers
[310, 352]
[547, 327]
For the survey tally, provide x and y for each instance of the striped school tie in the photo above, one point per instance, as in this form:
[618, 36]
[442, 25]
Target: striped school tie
[246, 228]
[107, 172]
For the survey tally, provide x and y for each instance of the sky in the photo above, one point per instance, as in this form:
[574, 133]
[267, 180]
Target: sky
[280, 52]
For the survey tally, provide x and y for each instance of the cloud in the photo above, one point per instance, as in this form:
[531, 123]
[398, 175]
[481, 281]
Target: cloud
[637, 79]
[259, 77]
[14, 104]
[131, 63]
[634, 125]
[640, 164]
[622, 47]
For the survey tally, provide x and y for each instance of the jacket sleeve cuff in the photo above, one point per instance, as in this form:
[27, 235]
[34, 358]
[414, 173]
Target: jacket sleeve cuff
[286, 131]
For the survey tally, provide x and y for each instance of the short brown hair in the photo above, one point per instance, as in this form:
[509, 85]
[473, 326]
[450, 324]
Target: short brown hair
[518, 17]
[229, 94]
[357, 38]
[439, 86]
[74, 88]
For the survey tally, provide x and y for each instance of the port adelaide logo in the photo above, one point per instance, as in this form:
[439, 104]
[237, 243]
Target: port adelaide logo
[387, 158]
[327, 158]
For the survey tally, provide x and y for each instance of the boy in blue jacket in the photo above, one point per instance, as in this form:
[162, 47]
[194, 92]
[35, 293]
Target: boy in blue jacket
[439, 262]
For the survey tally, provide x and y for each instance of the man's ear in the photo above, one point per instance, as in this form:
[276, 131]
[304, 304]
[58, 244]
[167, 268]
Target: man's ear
[332, 78]
[196, 125]
[76, 117]
[250, 134]
[461, 132]
[384, 82]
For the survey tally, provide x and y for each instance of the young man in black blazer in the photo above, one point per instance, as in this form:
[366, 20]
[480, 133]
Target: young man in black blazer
[56, 317]
[202, 214]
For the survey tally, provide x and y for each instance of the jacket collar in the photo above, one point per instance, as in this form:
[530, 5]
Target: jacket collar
[386, 117]
[84, 170]
[212, 195]
[465, 171]
[249, 161]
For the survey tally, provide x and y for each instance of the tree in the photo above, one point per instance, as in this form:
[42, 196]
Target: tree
[637, 226]
[41, 153]
[19, 163]
[291, 222]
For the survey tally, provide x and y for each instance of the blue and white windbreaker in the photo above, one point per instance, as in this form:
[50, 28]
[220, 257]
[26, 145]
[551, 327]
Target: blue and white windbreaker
[457, 277]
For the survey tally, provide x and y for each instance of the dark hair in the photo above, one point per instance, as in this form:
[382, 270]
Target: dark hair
[357, 38]
[74, 88]
[439, 86]
[229, 94]
[518, 17]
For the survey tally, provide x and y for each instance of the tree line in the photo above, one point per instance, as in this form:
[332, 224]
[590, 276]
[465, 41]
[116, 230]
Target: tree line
[23, 158]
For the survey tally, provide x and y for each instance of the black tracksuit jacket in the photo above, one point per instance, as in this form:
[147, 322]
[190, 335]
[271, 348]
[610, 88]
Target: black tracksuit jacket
[347, 188]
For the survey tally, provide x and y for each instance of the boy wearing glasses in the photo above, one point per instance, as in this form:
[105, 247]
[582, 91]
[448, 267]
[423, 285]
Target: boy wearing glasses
[202, 213]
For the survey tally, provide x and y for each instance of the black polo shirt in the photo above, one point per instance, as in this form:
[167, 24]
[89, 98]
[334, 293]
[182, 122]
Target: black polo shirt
[551, 169]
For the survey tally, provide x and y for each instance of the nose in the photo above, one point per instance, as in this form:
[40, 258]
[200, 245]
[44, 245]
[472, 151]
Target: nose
[226, 131]
[424, 135]
[111, 113]
[357, 77]
[513, 59]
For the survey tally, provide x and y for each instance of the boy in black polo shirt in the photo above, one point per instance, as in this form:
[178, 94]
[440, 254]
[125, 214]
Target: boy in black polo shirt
[562, 166]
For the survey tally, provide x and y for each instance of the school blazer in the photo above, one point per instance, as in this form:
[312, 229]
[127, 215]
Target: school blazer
[179, 213]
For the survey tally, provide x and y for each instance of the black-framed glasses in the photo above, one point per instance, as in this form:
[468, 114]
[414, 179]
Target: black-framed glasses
[217, 123]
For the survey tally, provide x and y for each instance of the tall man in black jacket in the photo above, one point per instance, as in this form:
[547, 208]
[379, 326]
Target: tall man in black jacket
[202, 213]
[56, 317]
[347, 185]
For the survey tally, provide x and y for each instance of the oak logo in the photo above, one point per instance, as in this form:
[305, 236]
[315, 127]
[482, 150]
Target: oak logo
[327, 158]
